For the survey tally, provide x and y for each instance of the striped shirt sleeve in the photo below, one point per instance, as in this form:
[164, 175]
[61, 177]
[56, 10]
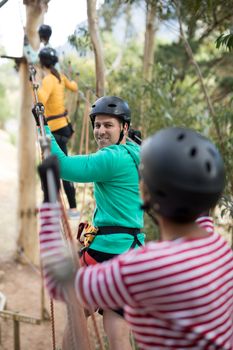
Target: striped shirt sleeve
[52, 247]
[102, 286]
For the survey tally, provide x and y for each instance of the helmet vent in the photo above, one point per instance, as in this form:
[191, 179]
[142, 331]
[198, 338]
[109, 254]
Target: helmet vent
[212, 152]
[208, 167]
[112, 105]
[193, 152]
[180, 137]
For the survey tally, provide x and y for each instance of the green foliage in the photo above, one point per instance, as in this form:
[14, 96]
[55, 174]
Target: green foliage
[80, 40]
[174, 95]
[224, 117]
[225, 40]
[226, 206]
[109, 13]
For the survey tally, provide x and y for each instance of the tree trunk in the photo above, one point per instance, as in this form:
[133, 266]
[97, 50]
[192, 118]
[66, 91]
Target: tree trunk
[27, 222]
[97, 47]
[148, 58]
[148, 55]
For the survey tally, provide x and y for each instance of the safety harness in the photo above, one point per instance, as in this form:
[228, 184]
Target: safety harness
[104, 230]
[87, 233]
[57, 116]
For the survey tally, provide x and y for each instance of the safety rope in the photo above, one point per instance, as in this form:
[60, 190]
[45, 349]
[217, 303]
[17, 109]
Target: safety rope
[53, 324]
[96, 329]
[84, 131]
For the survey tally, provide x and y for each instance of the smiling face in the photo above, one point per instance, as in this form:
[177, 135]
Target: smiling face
[107, 130]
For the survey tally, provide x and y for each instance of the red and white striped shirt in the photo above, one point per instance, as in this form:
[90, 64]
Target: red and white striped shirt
[206, 222]
[175, 294]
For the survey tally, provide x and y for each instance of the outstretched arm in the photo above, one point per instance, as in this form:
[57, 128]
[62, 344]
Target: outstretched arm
[95, 167]
[70, 84]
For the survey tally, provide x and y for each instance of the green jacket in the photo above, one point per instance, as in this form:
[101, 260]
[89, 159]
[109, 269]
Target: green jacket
[113, 170]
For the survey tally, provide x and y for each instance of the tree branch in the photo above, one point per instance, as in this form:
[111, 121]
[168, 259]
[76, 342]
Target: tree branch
[198, 71]
[214, 25]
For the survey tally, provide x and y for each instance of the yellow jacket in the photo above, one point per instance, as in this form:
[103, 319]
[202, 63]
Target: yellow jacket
[52, 95]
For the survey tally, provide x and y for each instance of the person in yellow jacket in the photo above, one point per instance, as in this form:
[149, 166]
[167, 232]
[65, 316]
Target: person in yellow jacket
[52, 94]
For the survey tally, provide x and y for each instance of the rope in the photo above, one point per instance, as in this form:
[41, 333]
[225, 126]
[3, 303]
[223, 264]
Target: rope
[71, 333]
[53, 324]
[100, 341]
[85, 129]
[133, 343]
[85, 121]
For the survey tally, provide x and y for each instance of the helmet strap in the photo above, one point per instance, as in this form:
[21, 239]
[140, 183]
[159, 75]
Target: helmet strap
[121, 137]
[121, 134]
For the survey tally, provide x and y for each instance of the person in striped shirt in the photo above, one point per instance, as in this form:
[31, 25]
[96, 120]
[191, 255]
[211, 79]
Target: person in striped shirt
[177, 293]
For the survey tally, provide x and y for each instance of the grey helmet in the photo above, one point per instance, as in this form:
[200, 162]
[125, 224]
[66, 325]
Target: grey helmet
[183, 171]
[113, 106]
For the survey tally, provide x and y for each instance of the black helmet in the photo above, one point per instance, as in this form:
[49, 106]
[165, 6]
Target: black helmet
[45, 32]
[48, 57]
[184, 173]
[113, 106]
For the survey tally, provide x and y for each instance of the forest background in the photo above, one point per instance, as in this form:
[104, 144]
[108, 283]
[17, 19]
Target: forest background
[184, 79]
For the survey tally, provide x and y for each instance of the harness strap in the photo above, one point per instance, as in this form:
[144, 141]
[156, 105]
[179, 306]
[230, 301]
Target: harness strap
[57, 116]
[103, 230]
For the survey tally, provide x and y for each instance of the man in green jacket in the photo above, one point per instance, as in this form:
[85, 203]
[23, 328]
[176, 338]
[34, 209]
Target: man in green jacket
[118, 215]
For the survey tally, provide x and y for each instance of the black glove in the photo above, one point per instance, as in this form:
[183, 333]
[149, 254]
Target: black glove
[49, 164]
[36, 111]
[135, 135]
